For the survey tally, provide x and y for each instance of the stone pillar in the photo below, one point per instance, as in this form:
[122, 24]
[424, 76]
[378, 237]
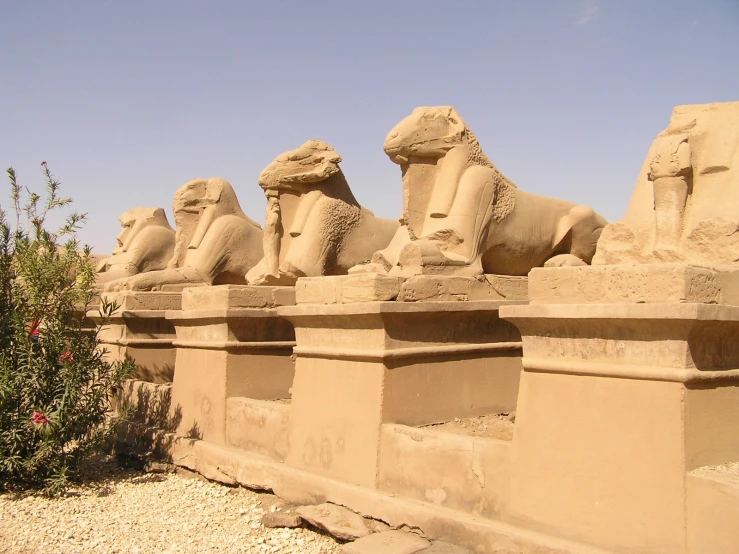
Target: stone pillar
[630, 382]
[138, 331]
[230, 343]
[365, 357]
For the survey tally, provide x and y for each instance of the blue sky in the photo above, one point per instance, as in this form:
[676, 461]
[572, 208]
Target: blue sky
[128, 100]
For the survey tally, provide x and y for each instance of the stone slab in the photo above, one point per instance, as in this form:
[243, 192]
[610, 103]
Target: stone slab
[632, 338]
[416, 463]
[259, 426]
[155, 300]
[281, 519]
[236, 296]
[428, 288]
[348, 289]
[634, 284]
[390, 542]
[335, 520]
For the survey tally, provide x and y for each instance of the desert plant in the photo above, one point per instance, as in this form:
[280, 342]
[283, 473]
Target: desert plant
[56, 386]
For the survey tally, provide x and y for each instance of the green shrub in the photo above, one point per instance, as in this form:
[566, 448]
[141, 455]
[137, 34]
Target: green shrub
[56, 387]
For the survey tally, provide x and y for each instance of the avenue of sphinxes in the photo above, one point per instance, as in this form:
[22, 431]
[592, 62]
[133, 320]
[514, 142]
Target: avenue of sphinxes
[499, 370]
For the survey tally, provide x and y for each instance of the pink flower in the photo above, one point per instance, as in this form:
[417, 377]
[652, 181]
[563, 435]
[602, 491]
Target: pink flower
[34, 327]
[66, 357]
[43, 163]
[39, 418]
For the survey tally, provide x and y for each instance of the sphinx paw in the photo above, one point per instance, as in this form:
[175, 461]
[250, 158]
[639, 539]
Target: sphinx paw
[564, 260]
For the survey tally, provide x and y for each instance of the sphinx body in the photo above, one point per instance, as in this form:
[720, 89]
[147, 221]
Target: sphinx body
[684, 206]
[314, 226]
[215, 242]
[146, 243]
[462, 216]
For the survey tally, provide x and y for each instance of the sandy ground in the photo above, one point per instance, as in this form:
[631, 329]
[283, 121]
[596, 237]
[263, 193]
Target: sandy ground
[490, 426]
[725, 472]
[130, 512]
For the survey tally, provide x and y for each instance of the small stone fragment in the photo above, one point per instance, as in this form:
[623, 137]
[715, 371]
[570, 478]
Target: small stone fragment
[281, 519]
[159, 467]
[390, 542]
[339, 522]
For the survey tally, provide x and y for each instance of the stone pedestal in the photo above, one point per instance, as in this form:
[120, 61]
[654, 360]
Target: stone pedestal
[230, 343]
[364, 359]
[630, 382]
[138, 331]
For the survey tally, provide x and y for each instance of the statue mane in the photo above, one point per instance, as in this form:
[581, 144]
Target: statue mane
[313, 162]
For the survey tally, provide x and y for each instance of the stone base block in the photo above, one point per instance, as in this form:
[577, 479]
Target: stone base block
[619, 401]
[237, 296]
[349, 289]
[456, 471]
[364, 364]
[258, 426]
[713, 509]
[155, 300]
[225, 351]
[139, 331]
[150, 403]
[205, 379]
[634, 284]
[481, 535]
[154, 361]
[438, 388]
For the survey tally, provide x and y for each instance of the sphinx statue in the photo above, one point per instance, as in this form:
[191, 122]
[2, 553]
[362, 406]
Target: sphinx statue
[314, 226]
[146, 243]
[461, 216]
[683, 208]
[215, 242]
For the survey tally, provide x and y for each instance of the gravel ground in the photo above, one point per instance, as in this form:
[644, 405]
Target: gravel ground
[130, 512]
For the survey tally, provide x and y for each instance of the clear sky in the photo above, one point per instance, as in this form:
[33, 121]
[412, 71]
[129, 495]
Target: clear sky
[128, 100]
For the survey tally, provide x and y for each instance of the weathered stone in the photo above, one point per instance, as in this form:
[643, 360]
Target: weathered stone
[146, 243]
[377, 526]
[314, 226]
[683, 208]
[440, 547]
[159, 467]
[461, 216]
[634, 284]
[391, 542]
[336, 520]
[347, 289]
[281, 519]
[214, 242]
